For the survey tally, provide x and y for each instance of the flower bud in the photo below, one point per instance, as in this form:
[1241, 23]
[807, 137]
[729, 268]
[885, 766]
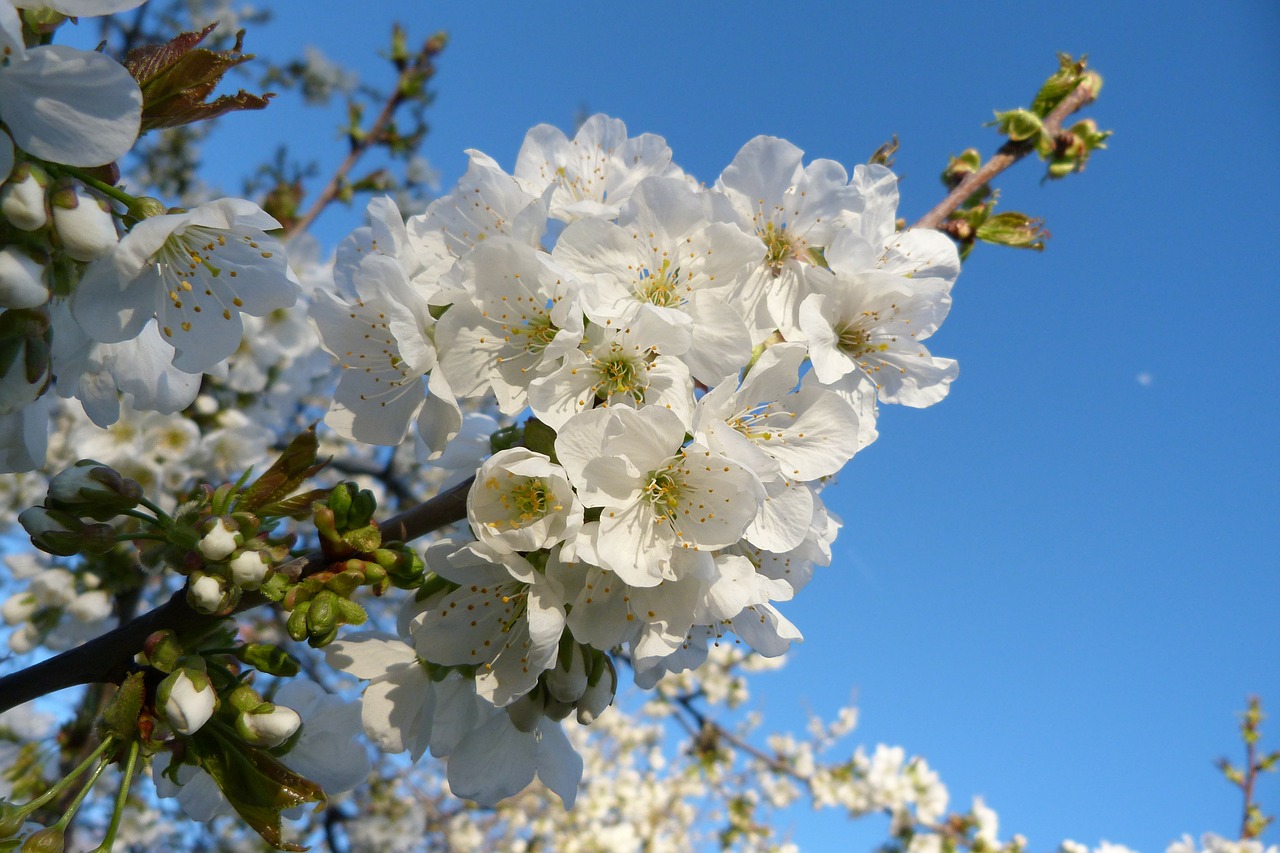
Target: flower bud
[1018, 124]
[93, 489]
[599, 693]
[219, 541]
[210, 594]
[249, 569]
[22, 280]
[162, 650]
[47, 840]
[567, 681]
[83, 222]
[187, 700]
[53, 531]
[11, 819]
[268, 726]
[22, 199]
[526, 712]
[267, 658]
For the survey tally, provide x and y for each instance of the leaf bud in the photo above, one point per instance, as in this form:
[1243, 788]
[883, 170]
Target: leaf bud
[1013, 229]
[268, 725]
[93, 489]
[340, 500]
[23, 198]
[322, 616]
[244, 698]
[296, 625]
[187, 700]
[83, 222]
[267, 658]
[363, 506]
[220, 540]
[1019, 125]
[145, 207]
[163, 650]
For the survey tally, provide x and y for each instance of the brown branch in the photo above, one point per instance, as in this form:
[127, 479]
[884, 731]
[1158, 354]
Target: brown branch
[1009, 153]
[361, 146]
[109, 658]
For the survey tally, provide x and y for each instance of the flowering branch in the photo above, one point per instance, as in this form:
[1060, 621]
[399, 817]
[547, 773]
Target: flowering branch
[1008, 154]
[109, 657]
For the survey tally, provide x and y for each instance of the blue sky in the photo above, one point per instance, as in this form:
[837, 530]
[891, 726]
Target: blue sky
[1060, 584]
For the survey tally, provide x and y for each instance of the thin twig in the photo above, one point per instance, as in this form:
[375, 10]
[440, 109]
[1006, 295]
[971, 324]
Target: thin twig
[1009, 153]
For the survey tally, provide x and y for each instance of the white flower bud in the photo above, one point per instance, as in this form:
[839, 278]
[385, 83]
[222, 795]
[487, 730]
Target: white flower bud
[84, 223]
[249, 570]
[21, 280]
[92, 606]
[206, 593]
[187, 705]
[568, 685]
[269, 728]
[526, 712]
[219, 542]
[22, 199]
[598, 696]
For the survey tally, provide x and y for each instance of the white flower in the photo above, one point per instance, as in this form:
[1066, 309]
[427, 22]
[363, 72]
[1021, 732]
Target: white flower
[794, 210]
[22, 199]
[521, 501]
[196, 272]
[595, 172]
[498, 760]
[872, 323]
[207, 593]
[655, 494]
[521, 319]
[400, 700]
[68, 106]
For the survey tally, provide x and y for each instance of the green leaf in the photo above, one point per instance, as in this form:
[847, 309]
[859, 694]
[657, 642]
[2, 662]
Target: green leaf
[258, 786]
[296, 464]
[121, 715]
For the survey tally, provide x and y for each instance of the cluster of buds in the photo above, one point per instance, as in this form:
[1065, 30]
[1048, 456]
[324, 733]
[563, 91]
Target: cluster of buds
[355, 556]
[1065, 151]
[88, 489]
[237, 557]
[582, 682]
[49, 226]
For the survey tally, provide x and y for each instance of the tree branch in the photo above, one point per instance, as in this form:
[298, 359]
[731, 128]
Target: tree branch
[1009, 153]
[109, 658]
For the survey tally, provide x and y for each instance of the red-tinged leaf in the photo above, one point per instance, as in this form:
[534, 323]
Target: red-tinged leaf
[176, 78]
[296, 464]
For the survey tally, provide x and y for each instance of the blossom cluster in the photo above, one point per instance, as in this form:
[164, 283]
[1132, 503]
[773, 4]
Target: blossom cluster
[695, 362]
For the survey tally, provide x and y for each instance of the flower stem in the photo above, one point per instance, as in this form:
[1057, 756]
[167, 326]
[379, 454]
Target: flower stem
[71, 777]
[101, 186]
[109, 839]
[84, 791]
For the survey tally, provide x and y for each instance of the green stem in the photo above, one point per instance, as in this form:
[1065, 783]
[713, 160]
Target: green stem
[70, 777]
[110, 839]
[99, 185]
[161, 515]
[84, 792]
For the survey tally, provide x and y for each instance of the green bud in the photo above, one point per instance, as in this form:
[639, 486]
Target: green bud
[296, 625]
[340, 500]
[1019, 125]
[351, 613]
[121, 715]
[267, 658]
[47, 840]
[1013, 229]
[163, 650]
[145, 207]
[322, 616]
[11, 819]
[363, 506]
[539, 438]
[244, 698]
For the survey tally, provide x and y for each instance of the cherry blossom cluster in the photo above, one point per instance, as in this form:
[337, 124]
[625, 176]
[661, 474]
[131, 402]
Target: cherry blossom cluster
[103, 295]
[694, 363]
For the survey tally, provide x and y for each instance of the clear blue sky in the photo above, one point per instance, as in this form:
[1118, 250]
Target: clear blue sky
[1060, 584]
